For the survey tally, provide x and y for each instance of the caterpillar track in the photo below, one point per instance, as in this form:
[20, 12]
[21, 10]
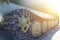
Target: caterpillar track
[11, 24]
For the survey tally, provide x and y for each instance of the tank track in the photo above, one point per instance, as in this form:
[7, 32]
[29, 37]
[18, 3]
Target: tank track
[11, 21]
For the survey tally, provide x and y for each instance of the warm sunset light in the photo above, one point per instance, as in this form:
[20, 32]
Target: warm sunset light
[48, 6]
[30, 19]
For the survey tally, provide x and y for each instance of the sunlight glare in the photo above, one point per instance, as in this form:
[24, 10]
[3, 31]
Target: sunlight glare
[56, 36]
